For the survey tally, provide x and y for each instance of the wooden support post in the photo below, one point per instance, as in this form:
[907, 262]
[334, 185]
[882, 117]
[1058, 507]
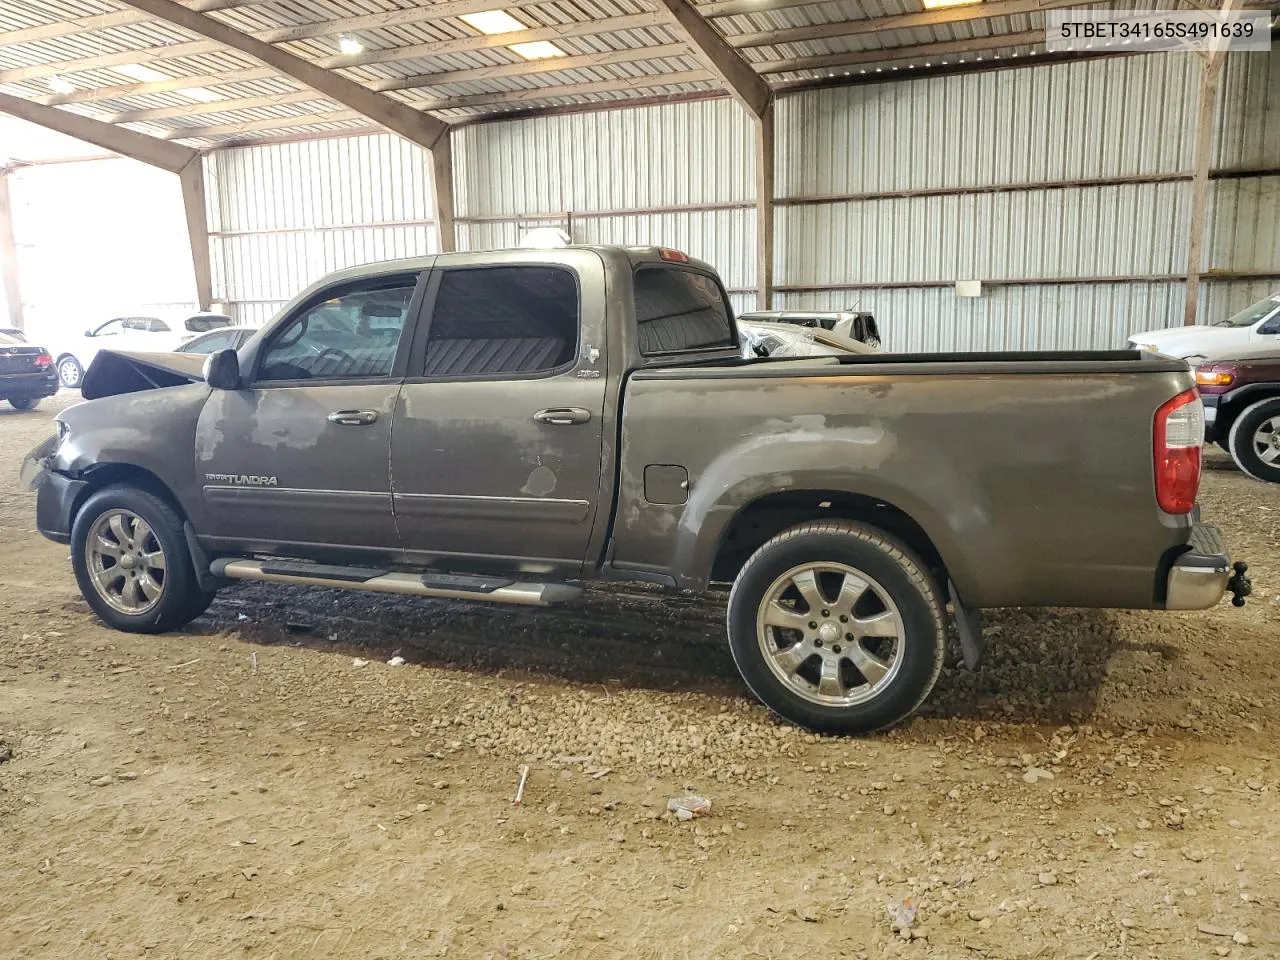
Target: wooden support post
[764, 209]
[1210, 75]
[192, 179]
[9, 254]
[1211, 70]
[442, 192]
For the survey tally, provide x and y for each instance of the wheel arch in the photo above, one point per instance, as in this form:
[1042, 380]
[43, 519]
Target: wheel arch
[104, 475]
[760, 519]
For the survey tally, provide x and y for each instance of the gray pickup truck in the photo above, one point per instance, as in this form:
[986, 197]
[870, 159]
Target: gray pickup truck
[506, 425]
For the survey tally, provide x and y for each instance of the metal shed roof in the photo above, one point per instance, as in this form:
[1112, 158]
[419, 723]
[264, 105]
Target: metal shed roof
[113, 62]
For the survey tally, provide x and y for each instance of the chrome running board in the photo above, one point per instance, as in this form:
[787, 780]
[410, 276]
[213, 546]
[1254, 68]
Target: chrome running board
[439, 586]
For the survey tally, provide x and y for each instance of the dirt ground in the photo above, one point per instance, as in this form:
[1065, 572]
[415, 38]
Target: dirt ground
[1107, 785]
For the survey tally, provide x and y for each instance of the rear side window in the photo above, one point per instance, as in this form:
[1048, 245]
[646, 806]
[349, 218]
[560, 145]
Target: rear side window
[496, 321]
[679, 310]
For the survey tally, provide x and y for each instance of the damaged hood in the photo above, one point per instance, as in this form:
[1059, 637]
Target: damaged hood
[117, 371]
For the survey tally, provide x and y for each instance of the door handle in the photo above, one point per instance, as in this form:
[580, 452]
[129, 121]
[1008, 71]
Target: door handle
[353, 418]
[563, 416]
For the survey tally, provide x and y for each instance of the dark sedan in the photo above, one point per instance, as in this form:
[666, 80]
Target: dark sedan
[26, 373]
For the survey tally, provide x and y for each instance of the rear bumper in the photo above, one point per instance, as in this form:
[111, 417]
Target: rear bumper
[1198, 577]
[28, 386]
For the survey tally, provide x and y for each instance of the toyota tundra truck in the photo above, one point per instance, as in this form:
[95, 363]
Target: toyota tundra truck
[507, 425]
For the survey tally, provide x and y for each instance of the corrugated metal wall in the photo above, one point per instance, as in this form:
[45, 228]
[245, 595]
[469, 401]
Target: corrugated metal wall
[1122, 118]
[612, 178]
[96, 239]
[283, 215]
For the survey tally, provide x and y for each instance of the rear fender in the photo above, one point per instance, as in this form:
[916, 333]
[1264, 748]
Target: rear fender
[840, 460]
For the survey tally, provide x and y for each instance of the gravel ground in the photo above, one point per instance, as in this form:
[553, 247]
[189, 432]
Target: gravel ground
[1104, 786]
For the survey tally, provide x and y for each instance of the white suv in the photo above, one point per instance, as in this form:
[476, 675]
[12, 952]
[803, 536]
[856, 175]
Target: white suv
[1255, 325]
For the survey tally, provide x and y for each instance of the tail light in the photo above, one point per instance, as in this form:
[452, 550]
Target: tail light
[43, 361]
[1179, 434]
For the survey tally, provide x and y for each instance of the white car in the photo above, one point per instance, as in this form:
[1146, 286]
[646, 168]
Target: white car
[1255, 325]
[131, 333]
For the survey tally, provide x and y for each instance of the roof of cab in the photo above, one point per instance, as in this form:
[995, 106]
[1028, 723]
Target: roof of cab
[634, 255]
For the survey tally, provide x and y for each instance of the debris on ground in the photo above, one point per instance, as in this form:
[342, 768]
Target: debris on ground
[686, 808]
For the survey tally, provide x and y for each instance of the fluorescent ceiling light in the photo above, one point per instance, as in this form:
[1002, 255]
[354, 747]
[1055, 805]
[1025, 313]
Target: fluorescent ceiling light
[59, 85]
[350, 46]
[938, 4]
[140, 72]
[492, 21]
[537, 50]
[202, 94]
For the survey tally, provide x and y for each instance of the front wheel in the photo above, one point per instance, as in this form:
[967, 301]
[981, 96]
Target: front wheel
[132, 562]
[1254, 441]
[70, 373]
[837, 627]
[23, 403]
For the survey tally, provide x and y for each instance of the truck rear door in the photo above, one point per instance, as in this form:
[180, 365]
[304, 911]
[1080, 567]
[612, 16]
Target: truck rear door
[496, 444]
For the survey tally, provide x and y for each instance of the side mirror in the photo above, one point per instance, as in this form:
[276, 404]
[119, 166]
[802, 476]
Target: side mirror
[88, 333]
[222, 370]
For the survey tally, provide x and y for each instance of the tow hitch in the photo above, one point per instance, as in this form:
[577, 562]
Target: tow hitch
[1239, 585]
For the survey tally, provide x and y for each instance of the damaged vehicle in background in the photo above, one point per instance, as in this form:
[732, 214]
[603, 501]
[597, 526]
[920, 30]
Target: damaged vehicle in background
[763, 339]
[505, 425]
[850, 324]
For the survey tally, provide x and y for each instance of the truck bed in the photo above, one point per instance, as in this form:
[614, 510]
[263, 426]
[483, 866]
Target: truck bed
[1016, 465]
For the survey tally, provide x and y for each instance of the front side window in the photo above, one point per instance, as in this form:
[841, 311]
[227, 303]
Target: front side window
[679, 310]
[496, 321]
[352, 335]
[110, 328]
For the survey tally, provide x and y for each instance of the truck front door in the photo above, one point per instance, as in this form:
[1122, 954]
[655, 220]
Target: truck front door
[496, 447]
[297, 460]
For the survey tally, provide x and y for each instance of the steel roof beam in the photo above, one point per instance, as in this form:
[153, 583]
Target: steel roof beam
[404, 121]
[127, 143]
[726, 63]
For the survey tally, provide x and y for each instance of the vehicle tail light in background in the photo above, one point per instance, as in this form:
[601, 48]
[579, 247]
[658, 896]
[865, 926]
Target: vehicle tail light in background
[1179, 435]
[43, 361]
[672, 256]
[1213, 378]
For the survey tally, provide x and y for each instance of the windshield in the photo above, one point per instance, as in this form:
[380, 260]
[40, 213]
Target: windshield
[1252, 314]
[6, 340]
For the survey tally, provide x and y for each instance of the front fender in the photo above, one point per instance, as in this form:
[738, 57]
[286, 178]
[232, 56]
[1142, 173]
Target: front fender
[153, 430]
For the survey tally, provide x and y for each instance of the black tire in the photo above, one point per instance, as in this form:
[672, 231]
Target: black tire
[180, 599]
[70, 373]
[24, 403]
[895, 570]
[1242, 440]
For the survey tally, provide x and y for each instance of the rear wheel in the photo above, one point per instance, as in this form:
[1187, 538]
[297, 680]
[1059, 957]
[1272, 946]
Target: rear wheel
[24, 403]
[132, 563]
[1254, 441]
[836, 627]
[69, 371]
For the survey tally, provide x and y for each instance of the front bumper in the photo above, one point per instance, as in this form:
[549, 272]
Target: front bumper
[55, 494]
[28, 386]
[1199, 577]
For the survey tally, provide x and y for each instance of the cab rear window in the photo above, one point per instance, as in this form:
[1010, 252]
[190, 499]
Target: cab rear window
[679, 310]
